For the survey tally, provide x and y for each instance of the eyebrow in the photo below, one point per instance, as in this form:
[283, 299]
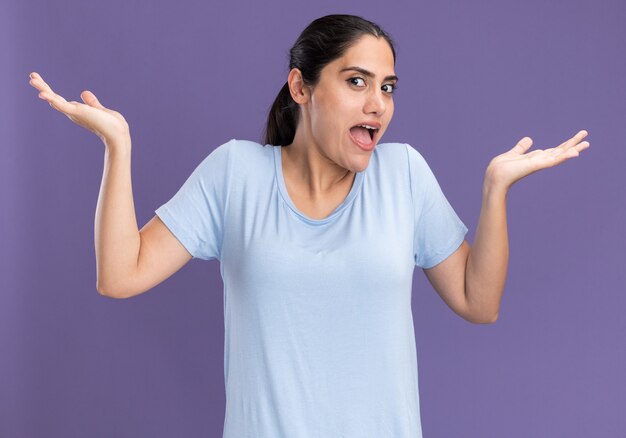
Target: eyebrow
[367, 73]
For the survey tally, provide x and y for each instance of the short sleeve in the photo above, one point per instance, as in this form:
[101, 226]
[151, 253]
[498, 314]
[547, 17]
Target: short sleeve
[438, 229]
[195, 214]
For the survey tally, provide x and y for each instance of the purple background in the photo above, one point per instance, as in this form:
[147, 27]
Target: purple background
[475, 77]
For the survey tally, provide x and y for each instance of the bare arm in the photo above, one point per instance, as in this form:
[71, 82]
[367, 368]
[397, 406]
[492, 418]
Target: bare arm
[160, 255]
[116, 235]
[448, 280]
[488, 260]
[471, 281]
[128, 261]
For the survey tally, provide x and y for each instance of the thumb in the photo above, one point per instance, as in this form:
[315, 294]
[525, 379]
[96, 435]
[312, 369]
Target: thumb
[90, 99]
[523, 145]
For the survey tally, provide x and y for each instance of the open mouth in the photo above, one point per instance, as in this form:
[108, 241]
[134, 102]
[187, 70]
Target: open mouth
[364, 134]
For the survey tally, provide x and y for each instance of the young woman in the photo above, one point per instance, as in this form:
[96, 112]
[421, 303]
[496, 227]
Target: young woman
[318, 232]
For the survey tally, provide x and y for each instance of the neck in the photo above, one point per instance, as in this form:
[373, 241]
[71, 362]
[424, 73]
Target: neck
[307, 164]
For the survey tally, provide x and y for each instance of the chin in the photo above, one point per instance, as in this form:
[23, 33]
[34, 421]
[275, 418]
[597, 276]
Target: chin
[361, 164]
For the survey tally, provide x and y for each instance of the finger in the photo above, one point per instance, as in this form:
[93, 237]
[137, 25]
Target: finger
[576, 139]
[523, 145]
[38, 82]
[45, 92]
[60, 104]
[90, 99]
[40, 85]
[572, 152]
[50, 94]
[55, 100]
[576, 150]
[52, 97]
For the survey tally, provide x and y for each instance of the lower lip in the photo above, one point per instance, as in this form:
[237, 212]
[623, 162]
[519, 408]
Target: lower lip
[365, 147]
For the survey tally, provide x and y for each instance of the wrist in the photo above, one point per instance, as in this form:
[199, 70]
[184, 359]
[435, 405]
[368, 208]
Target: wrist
[118, 145]
[493, 188]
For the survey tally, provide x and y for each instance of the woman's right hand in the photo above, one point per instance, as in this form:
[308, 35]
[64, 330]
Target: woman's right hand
[109, 125]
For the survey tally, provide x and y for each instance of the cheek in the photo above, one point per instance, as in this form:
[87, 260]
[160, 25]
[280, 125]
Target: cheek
[330, 115]
[327, 123]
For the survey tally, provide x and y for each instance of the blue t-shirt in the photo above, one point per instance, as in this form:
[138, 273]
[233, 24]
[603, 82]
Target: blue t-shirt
[319, 337]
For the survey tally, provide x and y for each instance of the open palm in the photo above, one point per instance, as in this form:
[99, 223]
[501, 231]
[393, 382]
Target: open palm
[106, 123]
[511, 166]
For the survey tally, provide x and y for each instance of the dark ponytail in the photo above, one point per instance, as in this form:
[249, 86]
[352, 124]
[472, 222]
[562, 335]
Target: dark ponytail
[282, 119]
[324, 40]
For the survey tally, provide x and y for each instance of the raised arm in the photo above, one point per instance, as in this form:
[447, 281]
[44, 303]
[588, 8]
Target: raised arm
[471, 281]
[128, 261]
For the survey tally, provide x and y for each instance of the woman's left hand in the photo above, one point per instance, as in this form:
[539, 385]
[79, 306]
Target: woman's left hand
[505, 169]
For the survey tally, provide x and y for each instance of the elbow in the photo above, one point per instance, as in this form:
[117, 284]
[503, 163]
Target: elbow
[100, 289]
[483, 313]
[105, 292]
[485, 319]
[482, 318]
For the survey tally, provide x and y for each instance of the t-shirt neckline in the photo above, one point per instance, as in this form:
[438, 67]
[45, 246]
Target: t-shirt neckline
[278, 166]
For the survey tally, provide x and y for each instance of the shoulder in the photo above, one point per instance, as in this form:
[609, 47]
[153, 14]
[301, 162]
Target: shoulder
[236, 151]
[240, 161]
[390, 148]
[238, 146]
[246, 148]
[398, 149]
[390, 153]
[403, 158]
[418, 166]
[396, 155]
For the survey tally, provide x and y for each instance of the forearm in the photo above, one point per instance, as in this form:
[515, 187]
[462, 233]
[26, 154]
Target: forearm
[487, 263]
[116, 234]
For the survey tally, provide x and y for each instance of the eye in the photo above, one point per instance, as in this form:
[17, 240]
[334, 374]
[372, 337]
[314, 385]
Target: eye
[355, 79]
[394, 88]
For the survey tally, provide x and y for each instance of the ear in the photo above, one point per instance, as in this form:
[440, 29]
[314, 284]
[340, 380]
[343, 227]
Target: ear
[300, 92]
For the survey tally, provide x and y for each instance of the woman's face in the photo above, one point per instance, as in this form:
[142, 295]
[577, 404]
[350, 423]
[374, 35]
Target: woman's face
[345, 97]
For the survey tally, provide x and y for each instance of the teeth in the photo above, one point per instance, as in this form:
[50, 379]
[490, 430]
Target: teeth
[367, 126]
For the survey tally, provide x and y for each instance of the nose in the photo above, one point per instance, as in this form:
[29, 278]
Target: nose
[375, 103]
